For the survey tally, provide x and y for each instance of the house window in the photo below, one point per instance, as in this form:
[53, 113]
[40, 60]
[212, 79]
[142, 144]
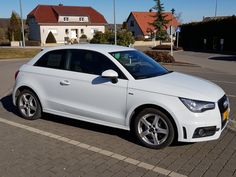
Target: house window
[66, 19]
[67, 31]
[132, 23]
[93, 31]
[81, 19]
[82, 31]
[133, 33]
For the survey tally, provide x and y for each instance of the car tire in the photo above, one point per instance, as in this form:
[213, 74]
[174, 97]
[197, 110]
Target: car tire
[28, 105]
[153, 128]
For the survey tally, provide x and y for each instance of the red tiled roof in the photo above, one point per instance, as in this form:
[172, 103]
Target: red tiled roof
[50, 13]
[145, 18]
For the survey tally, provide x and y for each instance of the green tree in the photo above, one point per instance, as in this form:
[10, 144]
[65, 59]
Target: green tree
[2, 34]
[124, 38]
[14, 30]
[160, 22]
[100, 38]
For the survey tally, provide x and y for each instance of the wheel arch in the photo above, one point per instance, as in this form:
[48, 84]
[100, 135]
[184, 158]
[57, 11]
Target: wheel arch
[24, 87]
[139, 108]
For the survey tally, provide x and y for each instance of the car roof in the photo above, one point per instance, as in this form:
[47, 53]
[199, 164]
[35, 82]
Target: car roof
[94, 47]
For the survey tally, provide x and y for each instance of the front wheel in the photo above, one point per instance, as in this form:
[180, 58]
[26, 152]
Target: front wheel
[153, 128]
[28, 105]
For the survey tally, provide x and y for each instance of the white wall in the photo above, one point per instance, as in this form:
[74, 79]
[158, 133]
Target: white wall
[60, 34]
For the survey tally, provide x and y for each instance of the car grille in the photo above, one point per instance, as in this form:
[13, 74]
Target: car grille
[223, 109]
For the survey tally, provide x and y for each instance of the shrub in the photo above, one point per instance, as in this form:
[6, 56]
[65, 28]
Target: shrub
[50, 38]
[139, 38]
[165, 47]
[100, 38]
[164, 57]
[124, 38]
[5, 43]
[32, 43]
[193, 35]
[83, 36]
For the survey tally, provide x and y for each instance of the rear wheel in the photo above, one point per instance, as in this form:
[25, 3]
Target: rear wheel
[28, 105]
[153, 128]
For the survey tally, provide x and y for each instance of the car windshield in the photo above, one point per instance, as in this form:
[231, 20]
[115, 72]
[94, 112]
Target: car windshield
[139, 65]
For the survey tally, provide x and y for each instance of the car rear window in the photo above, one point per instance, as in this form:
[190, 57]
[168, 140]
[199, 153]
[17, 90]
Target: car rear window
[53, 59]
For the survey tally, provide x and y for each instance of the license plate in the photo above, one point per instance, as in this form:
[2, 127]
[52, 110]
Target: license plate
[226, 115]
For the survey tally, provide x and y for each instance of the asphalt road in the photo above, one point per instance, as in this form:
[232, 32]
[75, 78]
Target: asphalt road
[57, 146]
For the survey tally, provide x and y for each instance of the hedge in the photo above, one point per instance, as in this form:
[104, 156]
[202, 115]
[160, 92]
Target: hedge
[192, 35]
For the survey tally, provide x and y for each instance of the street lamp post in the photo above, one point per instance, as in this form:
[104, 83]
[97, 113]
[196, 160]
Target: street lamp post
[216, 8]
[114, 10]
[22, 25]
[171, 35]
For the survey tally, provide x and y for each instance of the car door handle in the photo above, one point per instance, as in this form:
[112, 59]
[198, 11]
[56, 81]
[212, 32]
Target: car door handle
[64, 83]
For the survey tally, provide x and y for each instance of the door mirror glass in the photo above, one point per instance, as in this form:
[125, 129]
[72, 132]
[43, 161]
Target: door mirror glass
[113, 75]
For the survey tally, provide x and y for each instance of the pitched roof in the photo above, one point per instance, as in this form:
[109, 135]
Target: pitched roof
[50, 13]
[145, 18]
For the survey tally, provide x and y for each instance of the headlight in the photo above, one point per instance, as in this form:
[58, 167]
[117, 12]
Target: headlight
[197, 106]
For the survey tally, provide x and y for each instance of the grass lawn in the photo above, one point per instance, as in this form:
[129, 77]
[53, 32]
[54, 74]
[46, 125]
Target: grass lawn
[13, 53]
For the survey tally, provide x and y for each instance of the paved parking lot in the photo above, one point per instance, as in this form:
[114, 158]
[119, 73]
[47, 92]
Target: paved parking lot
[57, 146]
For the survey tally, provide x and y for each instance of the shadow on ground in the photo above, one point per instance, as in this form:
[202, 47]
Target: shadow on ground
[7, 104]
[224, 58]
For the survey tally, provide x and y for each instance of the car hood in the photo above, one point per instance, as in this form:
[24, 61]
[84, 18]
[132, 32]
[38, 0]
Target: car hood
[180, 85]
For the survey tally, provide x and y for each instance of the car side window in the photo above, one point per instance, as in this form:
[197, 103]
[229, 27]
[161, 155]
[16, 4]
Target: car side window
[91, 62]
[54, 59]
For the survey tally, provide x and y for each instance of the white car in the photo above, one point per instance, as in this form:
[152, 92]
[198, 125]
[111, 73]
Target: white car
[123, 88]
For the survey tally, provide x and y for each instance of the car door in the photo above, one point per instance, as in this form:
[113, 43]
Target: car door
[90, 97]
[47, 74]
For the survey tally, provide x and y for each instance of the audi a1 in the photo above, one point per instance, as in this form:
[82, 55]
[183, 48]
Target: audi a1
[122, 88]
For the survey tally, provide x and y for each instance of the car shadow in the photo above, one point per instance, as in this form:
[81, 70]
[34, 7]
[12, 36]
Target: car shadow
[7, 104]
[224, 58]
[124, 134]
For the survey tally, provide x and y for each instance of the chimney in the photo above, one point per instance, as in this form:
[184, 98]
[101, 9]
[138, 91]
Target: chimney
[60, 4]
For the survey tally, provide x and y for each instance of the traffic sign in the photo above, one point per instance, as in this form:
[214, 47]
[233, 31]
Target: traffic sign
[178, 29]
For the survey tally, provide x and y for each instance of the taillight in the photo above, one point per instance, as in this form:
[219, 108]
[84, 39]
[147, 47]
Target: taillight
[16, 74]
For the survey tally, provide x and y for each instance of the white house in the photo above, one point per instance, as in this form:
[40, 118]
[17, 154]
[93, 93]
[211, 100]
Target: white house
[65, 22]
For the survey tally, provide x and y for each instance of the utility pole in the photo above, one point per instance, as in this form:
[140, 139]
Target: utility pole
[114, 10]
[22, 25]
[216, 8]
[171, 34]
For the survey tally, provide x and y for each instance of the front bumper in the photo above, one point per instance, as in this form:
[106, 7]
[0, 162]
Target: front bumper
[206, 126]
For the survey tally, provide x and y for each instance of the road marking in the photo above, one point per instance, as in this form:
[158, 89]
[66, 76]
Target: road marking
[104, 152]
[205, 72]
[226, 82]
[232, 96]
[15, 59]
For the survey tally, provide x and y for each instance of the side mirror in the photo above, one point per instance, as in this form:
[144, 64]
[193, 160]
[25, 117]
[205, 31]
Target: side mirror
[113, 75]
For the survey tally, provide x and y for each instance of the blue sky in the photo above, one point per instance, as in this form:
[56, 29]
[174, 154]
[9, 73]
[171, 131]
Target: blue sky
[191, 10]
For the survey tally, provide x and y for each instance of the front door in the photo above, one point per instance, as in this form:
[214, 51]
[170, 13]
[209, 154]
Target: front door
[74, 34]
[90, 96]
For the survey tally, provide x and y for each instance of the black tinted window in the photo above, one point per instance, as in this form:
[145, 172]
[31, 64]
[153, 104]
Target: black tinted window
[91, 62]
[53, 59]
